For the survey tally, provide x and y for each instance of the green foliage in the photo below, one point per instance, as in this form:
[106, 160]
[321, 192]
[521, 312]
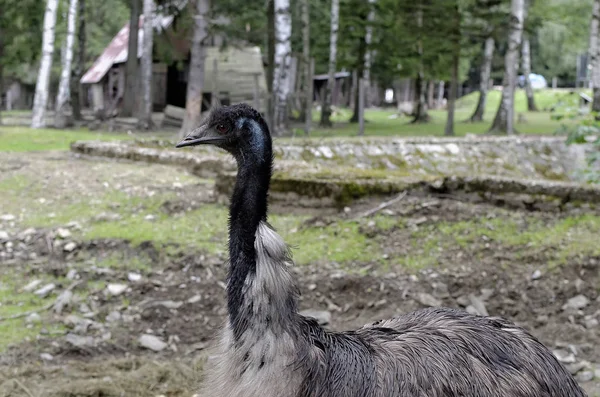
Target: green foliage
[585, 131]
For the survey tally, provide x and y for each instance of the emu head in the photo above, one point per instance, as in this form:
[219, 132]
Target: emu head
[238, 129]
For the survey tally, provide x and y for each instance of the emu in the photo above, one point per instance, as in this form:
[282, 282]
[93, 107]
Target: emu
[268, 350]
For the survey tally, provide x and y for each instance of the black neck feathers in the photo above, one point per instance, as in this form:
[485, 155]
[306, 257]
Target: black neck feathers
[247, 209]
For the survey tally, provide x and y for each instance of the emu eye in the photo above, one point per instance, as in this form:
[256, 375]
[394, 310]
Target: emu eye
[221, 128]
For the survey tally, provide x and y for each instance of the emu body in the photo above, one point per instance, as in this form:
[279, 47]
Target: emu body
[268, 350]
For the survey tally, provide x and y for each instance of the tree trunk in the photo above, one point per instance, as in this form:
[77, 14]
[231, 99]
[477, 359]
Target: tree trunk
[283, 57]
[526, 63]
[43, 81]
[360, 70]
[131, 68]
[430, 93]
[145, 119]
[484, 77]
[326, 107]
[440, 97]
[76, 93]
[306, 112]
[420, 114]
[193, 101]
[369, 55]
[449, 130]
[1, 71]
[62, 98]
[594, 55]
[271, 62]
[504, 120]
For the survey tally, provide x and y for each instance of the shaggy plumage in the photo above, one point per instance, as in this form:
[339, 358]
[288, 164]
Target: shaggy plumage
[268, 350]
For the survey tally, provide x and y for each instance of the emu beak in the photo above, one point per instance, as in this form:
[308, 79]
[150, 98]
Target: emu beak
[201, 135]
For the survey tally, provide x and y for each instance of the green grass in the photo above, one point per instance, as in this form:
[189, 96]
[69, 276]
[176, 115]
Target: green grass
[379, 122]
[15, 302]
[22, 139]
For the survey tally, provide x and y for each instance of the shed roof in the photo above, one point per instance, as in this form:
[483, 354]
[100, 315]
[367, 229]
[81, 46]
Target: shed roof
[116, 51]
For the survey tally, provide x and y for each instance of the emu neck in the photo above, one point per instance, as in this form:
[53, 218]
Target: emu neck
[247, 209]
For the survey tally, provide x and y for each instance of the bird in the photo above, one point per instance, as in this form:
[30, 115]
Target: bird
[267, 349]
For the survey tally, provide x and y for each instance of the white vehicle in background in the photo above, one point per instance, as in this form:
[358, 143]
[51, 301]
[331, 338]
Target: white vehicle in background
[537, 81]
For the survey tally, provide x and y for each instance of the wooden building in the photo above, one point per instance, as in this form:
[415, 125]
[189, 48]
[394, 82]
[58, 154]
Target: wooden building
[233, 73]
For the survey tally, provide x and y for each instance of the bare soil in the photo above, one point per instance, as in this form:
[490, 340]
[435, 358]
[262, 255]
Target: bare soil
[180, 296]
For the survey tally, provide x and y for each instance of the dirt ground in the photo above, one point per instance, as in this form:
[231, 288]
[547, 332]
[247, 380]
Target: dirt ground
[124, 276]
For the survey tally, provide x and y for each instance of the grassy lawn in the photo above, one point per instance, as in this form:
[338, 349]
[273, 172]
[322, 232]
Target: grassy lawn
[23, 139]
[383, 122]
[379, 123]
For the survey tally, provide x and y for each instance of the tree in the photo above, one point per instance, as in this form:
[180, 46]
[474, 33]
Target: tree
[131, 68]
[420, 114]
[283, 55]
[484, 78]
[594, 55]
[504, 120]
[369, 53]
[306, 58]
[79, 65]
[195, 87]
[456, 36]
[145, 118]
[43, 81]
[526, 67]
[326, 107]
[60, 118]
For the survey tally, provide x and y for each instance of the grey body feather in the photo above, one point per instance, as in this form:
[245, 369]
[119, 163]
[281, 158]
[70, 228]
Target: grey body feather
[428, 353]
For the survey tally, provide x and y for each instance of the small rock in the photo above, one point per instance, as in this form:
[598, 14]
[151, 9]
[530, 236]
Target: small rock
[72, 274]
[45, 290]
[463, 300]
[312, 287]
[427, 300]
[166, 304]
[4, 235]
[79, 341]
[486, 293]
[32, 285]
[597, 373]
[471, 310]
[116, 289]
[133, 277]
[46, 356]
[564, 356]
[194, 299]
[574, 368]
[591, 323]
[150, 217]
[63, 300]
[33, 318]
[576, 303]
[69, 247]
[542, 319]
[347, 210]
[585, 376]
[63, 233]
[113, 317]
[536, 275]
[7, 217]
[323, 317]
[478, 305]
[152, 342]
[578, 285]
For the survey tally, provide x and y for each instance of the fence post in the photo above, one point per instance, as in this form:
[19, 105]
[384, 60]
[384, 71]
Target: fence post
[309, 96]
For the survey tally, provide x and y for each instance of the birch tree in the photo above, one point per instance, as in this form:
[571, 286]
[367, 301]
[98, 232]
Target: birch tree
[526, 67]
[79, 65]
[308, 79]
[326, 106]
[369, 53]
[594, 55]
[484, 78]
[60, 118]
[195, 87]
[43, 81]
[145, 118]
[131, 68]
[283, 53]
[504, 120]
